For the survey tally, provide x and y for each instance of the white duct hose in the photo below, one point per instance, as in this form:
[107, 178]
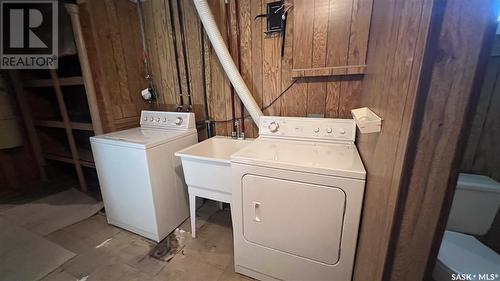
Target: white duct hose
[226, 60]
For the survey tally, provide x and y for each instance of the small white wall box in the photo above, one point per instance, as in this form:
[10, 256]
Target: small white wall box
[366, 120]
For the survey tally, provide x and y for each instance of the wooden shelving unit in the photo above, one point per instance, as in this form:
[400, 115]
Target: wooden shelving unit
[60, 107]
[56, 114]
[60, 124]
[63, 81]
[67, 159]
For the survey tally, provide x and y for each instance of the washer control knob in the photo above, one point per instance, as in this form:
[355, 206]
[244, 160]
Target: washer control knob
[152, 119]
[316, 130]
[329, 130]
[145, 118]
[158, 119]
[164, 119]
[178, 121]
[273, 127]
[342, 131]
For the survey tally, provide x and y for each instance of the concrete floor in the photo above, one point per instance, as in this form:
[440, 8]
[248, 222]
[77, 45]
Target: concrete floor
[105, 252]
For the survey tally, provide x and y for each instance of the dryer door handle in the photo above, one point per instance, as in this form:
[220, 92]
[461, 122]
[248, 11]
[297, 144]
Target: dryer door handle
[256, 208]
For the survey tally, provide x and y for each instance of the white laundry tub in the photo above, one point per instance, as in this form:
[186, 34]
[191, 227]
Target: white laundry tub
[207, 170]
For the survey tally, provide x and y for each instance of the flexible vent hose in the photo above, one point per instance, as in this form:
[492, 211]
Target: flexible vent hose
[226, 60]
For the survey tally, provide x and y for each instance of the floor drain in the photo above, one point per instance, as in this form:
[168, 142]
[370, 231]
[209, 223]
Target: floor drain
[171, 245]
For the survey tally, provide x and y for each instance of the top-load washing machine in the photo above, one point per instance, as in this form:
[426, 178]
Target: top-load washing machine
[297, 194]
[141, 180]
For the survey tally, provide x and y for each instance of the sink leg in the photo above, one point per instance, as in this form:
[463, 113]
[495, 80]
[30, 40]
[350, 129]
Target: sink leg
[192, 214]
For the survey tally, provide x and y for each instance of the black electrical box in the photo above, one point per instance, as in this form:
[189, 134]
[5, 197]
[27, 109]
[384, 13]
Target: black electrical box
[274, 16]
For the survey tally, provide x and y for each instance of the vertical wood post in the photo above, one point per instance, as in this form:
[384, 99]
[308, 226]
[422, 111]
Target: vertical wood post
[85, 66]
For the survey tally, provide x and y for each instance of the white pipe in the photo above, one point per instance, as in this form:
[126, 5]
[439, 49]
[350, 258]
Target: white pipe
[226, 60]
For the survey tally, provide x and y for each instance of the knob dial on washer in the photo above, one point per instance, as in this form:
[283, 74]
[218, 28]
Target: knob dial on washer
[273, 127]
[341, 131]
[329, 130]
[316, 130]
[178, 121]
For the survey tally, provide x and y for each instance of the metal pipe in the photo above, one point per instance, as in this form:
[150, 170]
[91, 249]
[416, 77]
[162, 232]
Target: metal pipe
[203, 85]
[184, 52]
[174, 40]
[238, 42]
[229, 41]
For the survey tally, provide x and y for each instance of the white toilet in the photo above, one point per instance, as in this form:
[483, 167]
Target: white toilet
[474, 208]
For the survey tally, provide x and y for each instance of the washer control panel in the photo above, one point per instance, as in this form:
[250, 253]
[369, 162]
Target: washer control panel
[165, 119]
[326, 129]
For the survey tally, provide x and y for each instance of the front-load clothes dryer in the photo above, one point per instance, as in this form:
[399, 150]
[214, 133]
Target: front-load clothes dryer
[297, 196]
[141, 180]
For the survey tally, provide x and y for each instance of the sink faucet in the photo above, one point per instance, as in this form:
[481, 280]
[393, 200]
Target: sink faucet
[238, 134]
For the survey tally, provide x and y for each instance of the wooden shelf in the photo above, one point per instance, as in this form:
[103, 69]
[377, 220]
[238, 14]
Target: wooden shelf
[75, 102]
[68, 159]
[60, 124]
[329, 71]
[64, 81]
[62, 154]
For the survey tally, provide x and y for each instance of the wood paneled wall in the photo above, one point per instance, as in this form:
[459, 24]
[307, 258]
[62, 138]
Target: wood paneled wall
[167, 54]
[453, 68]
[112, 34]
[266, 73]
[395, 53]
[111, 28]
[484, 134]
[333, 36]
[112, 31]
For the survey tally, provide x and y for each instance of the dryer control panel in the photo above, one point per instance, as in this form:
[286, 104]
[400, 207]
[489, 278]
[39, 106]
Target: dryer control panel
[167, 120]
[301, 128]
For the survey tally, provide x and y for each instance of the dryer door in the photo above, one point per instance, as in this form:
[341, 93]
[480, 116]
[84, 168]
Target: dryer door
[297, 218]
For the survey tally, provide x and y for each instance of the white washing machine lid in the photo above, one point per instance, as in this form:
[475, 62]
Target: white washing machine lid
[463, 253]
[140, 137]
[477, 183]
[334, 159]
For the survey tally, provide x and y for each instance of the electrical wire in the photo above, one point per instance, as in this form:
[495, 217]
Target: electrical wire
[264, 108]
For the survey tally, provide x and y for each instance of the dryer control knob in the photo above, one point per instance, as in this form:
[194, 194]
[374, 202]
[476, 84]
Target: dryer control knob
[273, 127]
[178, 121]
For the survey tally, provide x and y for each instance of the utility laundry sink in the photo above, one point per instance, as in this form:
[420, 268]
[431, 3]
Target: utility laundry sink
[207, 164]
[207, 170]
